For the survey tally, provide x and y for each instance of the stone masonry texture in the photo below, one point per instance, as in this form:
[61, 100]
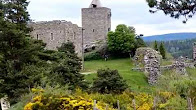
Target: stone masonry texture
[96, 23]
[54, 33]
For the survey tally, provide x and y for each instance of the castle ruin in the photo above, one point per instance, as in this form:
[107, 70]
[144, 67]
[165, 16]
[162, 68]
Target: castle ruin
[96, 22]
[54, 33]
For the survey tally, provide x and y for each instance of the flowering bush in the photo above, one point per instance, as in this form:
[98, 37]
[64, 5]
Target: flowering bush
[80, 100]
[51, 102]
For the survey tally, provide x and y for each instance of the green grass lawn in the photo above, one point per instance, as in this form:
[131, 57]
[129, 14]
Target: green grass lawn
[137, 81]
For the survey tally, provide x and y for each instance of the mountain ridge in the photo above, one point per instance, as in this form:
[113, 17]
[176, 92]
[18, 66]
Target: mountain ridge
[171, 36]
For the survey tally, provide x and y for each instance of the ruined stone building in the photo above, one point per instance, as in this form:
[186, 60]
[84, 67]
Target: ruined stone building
[96, 22]
[54, 33]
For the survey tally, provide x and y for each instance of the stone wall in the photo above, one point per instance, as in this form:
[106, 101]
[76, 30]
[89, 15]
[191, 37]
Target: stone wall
[150, 59]
[140, 55]
[152, 67]
[54, 33]
[151, 62]
[96, 23]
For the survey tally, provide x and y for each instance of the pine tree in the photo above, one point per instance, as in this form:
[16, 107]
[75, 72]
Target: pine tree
[156, 46]
[162, 50]
[67, 69]
[18, 70]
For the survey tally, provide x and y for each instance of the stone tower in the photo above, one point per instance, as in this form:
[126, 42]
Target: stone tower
[96, 22]
[194, 51]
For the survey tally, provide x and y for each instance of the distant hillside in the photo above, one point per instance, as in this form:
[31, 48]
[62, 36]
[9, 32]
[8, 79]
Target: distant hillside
[169, 37]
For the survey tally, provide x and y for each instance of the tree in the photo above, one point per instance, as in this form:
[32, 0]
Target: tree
[162, 50]
[67, 47]
[68, 67]
[109, 81]
[19, 67]
[174, 8]
[122, 40]
[156, 46]
[139, 42]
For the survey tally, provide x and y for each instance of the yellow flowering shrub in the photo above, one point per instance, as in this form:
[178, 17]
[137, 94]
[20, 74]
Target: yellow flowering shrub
[164, 99]
[51, 102]
[29, 106]
[80, 100]
[143, 101]
[166, 95]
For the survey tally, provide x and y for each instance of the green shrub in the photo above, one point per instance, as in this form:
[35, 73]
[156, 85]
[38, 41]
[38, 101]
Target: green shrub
[109, 81]
[92, 56]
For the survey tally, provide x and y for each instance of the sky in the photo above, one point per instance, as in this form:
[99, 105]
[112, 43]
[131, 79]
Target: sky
[130, 12]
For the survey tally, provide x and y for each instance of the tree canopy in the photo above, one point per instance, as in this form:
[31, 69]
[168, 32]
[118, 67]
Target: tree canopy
[174, 8]
[124, 41]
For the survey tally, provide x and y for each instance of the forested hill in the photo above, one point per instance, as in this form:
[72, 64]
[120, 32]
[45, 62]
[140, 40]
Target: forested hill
[178, 47]
[169, 37]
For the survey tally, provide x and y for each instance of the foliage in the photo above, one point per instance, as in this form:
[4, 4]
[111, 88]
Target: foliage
[175, 9]
[181, 86]
[139, 42]
[171, 101]
[122, 41]
[55, 97]
[92, 56]
[143, 101]
[179, 48]
[24, 62]
[50, 101]
[186, 88]
[26, 98]
[67, 48]
[156, 46]
[19, 67]
[66, 70]
[43, 99]
[109, 81]
[162, 50]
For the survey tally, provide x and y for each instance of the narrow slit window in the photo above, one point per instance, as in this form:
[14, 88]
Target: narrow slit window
[74, 35]
[93, 30]
[37, 37]
[52, 37]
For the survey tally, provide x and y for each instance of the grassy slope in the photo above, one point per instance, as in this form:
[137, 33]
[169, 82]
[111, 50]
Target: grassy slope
[136, 80]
